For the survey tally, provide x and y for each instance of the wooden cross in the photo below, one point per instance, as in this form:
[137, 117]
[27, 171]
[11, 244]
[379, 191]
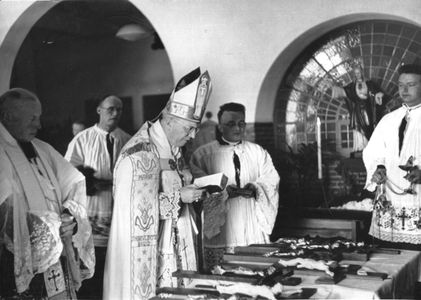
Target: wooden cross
[54, 276]
[403, 216]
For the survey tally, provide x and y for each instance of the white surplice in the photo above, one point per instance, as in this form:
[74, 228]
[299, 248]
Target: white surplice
[247, 220]
[89, 149]
[401, 223]
[32, 197]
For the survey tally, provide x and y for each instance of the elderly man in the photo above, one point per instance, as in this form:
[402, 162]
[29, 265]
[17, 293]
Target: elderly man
[246, 213]
[94, 151]
[46, 247]
[152, 233]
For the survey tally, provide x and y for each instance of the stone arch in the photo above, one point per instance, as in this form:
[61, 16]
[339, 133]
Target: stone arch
[49, 48]
[15, 36]
[27, 15]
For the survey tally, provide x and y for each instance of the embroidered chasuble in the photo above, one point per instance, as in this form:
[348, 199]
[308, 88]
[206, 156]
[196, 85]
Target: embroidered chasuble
[152, 230]
[391, 145]
[238, 221]
[36, 186]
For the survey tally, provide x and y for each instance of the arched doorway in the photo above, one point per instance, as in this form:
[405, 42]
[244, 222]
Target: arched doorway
[70, 55]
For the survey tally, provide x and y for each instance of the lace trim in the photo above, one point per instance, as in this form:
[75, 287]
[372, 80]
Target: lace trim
[397, 225]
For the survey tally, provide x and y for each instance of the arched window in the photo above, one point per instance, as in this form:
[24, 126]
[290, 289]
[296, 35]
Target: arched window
[379, 46]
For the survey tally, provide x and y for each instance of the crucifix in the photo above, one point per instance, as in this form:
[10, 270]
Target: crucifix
[403, 216]
[54, 276]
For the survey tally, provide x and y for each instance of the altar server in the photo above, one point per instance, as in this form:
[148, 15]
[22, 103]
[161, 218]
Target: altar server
[245, 214]
[396, 142]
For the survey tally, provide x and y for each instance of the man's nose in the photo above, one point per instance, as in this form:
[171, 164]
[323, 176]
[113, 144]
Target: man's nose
[37, 124]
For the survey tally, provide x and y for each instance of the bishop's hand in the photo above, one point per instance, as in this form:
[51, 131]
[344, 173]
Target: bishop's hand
[191, 193]
[68, 224]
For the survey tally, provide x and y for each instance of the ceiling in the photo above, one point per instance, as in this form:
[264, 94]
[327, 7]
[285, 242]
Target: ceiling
[89, 19]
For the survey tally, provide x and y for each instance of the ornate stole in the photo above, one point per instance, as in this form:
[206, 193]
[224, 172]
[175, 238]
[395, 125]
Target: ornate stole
[54, 277]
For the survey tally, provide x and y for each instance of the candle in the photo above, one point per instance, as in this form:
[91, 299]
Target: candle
[319, 148]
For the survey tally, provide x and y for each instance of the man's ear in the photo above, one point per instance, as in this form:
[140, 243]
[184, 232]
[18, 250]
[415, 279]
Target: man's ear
[5, 116]
[98, 110]
[220, 128]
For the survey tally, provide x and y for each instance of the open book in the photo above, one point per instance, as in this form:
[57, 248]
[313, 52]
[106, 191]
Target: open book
[214, 183]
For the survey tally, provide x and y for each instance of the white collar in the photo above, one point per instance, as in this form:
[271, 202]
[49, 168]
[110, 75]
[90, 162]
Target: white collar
[231, 143]
[104, 132]
[410, 108]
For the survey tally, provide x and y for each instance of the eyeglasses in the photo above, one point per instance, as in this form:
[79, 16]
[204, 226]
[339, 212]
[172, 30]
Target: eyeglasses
[232, 124]
[112, 109]
[189, 129]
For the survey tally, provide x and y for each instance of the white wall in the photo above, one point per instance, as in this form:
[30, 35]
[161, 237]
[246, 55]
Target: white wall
[245, 44]
[239, 40]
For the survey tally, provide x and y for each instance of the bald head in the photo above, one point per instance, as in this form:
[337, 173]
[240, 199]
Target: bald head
[20, 112]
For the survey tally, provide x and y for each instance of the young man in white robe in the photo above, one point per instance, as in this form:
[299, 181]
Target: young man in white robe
[46, 247]
[153, 229]
[236, 219]
[396, 220]
[89, 151]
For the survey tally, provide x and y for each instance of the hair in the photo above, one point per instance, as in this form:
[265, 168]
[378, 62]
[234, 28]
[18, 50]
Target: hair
[231, 107]
[410, 69]
[12, 96]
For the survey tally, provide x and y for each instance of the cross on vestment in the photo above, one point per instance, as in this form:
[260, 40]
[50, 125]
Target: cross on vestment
[403, 216]
[53, 277]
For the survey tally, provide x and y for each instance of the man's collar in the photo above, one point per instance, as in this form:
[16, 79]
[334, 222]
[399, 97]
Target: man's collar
[26, 147]
[7, 136]
[99, 129]
[412, 107]
[224, 142]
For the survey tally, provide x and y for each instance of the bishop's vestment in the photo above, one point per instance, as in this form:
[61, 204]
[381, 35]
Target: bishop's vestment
[152, 233]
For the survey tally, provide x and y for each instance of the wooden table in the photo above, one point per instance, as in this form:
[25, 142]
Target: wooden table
[402, 271]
